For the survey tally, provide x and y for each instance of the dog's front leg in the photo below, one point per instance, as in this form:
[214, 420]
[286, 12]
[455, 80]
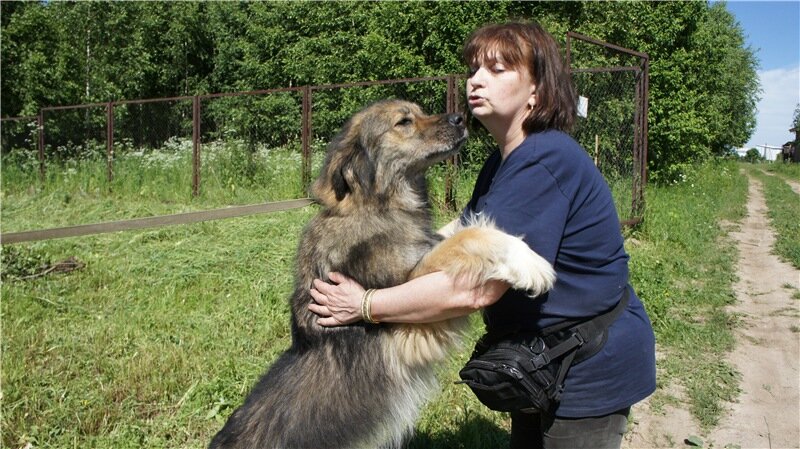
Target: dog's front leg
[481, 252]
[475, 254]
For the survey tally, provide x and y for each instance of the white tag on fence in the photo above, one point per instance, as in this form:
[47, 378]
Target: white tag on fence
[583, 106]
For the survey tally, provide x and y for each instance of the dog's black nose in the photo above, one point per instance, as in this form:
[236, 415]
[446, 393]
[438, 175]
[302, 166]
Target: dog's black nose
[455, 119]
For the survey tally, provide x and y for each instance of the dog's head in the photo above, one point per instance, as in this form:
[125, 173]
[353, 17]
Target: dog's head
[381, 153]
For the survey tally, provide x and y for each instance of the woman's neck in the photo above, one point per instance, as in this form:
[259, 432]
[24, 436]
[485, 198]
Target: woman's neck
[508, 139]
[508, 134]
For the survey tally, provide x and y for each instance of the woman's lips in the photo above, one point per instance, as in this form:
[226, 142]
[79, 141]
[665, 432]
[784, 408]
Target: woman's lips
[475, 99]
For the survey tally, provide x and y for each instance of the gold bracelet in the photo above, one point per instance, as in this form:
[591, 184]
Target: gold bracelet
[366, 306]
[364, 303]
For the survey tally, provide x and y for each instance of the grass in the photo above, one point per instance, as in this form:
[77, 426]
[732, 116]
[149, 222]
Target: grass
[159, 336]
[146, 183]
[787, 171]
[784, 209]
[135, 349]
[682, 267]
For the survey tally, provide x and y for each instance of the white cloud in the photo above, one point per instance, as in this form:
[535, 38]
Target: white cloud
[780, 96]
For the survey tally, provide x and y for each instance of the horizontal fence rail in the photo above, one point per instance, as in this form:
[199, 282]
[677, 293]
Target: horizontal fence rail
[152, 222]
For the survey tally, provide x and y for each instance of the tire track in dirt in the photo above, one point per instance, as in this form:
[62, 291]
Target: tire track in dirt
[767, 414]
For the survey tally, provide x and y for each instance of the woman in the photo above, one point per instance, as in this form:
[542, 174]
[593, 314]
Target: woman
[542, 185]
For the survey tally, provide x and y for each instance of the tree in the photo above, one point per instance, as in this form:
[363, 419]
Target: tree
[753, 156]
[39, 62]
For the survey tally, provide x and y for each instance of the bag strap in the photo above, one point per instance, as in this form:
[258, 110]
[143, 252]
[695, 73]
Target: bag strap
[581, 334]
[592, 328]
[594, 325]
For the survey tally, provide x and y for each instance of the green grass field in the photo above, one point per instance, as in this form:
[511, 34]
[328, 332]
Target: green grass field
[160, 335]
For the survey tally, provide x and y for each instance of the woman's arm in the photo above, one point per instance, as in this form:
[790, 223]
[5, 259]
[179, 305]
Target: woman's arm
[429, 298]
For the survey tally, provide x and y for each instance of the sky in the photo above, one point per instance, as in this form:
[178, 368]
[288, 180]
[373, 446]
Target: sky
[772, 29]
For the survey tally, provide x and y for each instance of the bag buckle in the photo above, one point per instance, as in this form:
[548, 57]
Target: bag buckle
[540, 360]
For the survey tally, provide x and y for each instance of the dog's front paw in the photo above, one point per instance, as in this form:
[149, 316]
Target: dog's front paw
[524, 269]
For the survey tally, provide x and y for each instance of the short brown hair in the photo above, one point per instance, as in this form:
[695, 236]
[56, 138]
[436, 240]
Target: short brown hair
[528, 45]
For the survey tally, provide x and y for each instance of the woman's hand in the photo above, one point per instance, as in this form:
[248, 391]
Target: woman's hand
[337, 303]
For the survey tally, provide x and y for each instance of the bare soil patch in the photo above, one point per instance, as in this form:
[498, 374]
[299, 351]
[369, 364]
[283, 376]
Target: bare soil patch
[767, 414]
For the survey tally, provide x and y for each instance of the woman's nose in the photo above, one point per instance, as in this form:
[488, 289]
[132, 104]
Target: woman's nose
[474, 81]
[477, 77]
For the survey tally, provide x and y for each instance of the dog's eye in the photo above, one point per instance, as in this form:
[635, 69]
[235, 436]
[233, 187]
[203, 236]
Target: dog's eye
[405, 121]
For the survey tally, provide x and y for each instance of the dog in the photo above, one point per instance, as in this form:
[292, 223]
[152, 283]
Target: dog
[363, 385]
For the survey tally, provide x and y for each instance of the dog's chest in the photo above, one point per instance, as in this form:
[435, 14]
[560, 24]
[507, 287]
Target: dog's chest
[376, 252]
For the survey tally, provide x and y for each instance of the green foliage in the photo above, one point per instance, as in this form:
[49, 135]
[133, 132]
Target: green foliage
[796, 118]
[703, 81]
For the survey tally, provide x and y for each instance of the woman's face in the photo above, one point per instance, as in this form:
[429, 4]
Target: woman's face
[498, 94]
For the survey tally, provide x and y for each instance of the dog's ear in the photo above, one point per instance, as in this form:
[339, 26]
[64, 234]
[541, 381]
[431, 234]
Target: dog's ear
[339, 184]
[356, 170]
[347, 166]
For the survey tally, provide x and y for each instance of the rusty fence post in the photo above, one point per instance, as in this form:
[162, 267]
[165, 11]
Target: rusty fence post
[195, 145]
[306, 136]
[640, 153]
[452, 163]
[110, 142]
[40, 129]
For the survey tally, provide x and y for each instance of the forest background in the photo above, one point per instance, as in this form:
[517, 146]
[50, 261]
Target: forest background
[703, 81]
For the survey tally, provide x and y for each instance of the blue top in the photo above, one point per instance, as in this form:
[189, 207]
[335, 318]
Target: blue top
[549, 192]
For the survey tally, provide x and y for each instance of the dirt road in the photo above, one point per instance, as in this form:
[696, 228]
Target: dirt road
[767, 351]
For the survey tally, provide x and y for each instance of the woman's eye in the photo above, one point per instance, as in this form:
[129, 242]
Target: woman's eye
[404, 122]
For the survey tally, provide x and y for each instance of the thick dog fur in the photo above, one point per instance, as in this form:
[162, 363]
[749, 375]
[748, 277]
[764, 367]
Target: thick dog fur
[362, 386]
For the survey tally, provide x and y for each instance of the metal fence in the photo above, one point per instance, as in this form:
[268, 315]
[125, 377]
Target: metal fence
[612, 83]
[298, 116]
[303, 119]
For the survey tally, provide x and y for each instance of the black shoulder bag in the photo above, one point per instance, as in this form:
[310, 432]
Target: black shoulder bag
[518, 371]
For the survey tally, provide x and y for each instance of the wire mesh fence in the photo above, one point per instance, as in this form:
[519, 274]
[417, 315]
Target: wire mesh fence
[251, 142]
[150, 148]
[612, 86]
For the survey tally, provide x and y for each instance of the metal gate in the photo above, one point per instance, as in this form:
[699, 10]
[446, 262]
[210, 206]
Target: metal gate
[612, 84]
